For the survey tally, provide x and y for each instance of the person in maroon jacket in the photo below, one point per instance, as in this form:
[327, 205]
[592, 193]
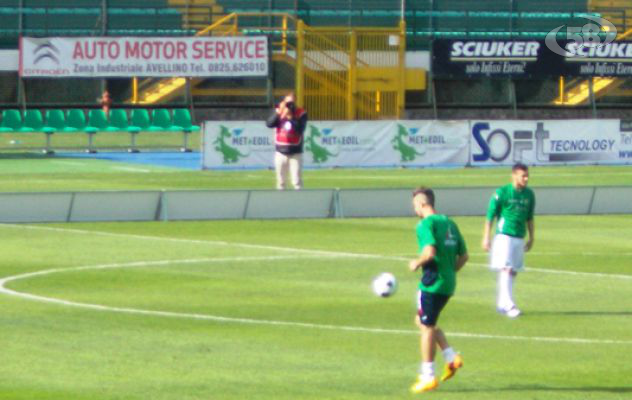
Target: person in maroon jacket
[289, 122]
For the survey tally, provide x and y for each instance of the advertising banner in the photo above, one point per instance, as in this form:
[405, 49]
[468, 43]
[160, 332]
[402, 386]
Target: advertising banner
[59, 57]
[608, 59]
[494, 58]
[549, 142]
[341, 144]
[529, 58]
[625, 142]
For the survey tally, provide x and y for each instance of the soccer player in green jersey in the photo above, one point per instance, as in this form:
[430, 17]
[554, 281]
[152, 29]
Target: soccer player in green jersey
[512, 206]
[442, 253]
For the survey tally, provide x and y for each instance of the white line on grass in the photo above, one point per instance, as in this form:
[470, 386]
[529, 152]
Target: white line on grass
[250, 321]
[131, 169]
[207, 242]
[292, 249]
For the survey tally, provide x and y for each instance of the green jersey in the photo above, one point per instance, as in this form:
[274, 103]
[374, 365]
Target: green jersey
[513, 208]
[439, 231]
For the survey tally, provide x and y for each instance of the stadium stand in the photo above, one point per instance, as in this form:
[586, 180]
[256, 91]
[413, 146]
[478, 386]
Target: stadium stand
[425, 21]
[86, 18]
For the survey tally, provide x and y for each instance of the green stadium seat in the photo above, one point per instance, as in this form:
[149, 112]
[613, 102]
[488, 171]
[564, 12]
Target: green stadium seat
[97, 121]
[11, 121]
[33, 121]
[139, 120]
[161, 120]
[182, 121]
[75, 121]
[118, 120]
[55, 121]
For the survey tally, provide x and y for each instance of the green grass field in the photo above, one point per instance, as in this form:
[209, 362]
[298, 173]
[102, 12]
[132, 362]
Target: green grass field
[19, 172]
[283, 310]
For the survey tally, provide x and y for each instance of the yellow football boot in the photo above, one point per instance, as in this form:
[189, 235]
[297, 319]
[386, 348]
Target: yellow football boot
[424, 385]
[450, 369]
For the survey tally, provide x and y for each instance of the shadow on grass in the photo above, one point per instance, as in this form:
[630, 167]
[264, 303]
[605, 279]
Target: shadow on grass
[544, 388]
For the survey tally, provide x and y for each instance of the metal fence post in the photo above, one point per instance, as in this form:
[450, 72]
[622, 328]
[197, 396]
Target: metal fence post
[352, 76]
[401, 89]
[300, 76]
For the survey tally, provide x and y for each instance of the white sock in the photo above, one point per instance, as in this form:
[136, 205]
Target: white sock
[505, 289]
[448, 355]
[427, 370]
[510, 281]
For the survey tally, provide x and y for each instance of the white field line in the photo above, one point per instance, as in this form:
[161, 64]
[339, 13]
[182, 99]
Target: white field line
[292, 249]
[131, 169]
[251, 321]
[221, 243]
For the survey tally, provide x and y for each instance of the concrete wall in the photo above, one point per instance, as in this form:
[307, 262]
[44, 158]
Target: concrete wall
[271, 204]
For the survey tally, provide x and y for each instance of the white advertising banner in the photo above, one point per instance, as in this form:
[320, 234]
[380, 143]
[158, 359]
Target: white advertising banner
[249, 144]
[61, 57]
[549, 142]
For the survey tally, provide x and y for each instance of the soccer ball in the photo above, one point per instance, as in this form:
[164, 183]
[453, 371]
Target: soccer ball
[385, 284]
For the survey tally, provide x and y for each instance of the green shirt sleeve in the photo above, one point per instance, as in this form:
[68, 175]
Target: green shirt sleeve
[493, 210]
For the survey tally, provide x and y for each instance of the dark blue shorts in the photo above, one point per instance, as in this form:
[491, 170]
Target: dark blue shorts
[429, 306]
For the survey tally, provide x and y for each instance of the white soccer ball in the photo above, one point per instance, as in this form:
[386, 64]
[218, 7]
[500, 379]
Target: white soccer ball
[385, 284]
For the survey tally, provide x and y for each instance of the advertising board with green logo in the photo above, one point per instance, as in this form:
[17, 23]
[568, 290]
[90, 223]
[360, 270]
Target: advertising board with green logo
[326, 144]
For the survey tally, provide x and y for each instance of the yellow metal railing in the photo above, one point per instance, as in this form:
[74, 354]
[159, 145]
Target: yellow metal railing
[344, 73]
[166, 88]
[339, 72]
[580, 92]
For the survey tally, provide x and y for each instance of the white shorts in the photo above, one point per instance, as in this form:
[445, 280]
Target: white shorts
[507, 252]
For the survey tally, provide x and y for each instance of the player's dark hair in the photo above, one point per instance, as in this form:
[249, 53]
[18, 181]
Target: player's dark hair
[426, 191]
[519, 166]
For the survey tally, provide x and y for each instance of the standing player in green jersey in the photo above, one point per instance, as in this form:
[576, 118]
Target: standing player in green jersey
[442, 253]
[512, 205]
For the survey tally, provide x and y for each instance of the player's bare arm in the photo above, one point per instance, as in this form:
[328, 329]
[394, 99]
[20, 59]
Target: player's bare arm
[487, 231]
[531, 231]
[426, 255]
[460, 261]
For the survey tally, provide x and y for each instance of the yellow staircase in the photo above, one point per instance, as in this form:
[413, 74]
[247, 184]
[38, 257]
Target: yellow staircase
[579, 92]
[151, 92]
[340, 73]
[619, 12]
